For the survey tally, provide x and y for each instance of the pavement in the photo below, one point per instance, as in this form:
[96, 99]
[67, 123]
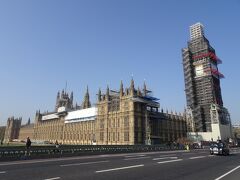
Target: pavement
[167, 165]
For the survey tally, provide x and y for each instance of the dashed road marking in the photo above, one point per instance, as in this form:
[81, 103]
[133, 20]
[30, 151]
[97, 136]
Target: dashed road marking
[227, 173]
[197, 157]
[163, 162]
[154, 159]
[168, 155]
[84, 163]
[53, 178]
[136, 158]
[2, 172]
[120, 168]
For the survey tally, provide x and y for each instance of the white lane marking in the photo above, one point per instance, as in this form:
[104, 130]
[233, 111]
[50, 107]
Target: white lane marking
[227, 173]
[40, 161]
[162, 162]
[197, 157]
[84, 163]
[53, 178]
[164, 158]
[136, 158]
[2, 172]
[115, 169]
[190, 153]
[168, 155]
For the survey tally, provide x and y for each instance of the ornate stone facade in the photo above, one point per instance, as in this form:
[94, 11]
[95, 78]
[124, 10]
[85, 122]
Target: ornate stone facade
[12, 129]
[129, 116]
[2, 132]
[26, 131]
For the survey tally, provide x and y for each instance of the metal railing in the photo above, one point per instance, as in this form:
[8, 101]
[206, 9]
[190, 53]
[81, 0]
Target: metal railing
[18, 153]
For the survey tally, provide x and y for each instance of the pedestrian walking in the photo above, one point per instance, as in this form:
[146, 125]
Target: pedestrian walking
[28, 145]
[57, 146]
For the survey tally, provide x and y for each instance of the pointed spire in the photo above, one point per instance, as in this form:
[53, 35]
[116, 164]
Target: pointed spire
[132, 87]
[99, 95]
[87, 90]
[132, 83]
[57, 100]
[144, 88]
[121, 88]
[29, 121]
[107, 93]
[58, 97]
[71, 97]
[86, 102]
[87, 94]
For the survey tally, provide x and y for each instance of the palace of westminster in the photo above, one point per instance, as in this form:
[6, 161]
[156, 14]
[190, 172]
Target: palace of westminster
[130, 115]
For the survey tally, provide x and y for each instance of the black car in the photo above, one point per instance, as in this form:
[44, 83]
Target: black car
[219, 148]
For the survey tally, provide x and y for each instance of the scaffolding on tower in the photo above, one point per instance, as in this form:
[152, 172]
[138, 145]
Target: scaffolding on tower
[211, 55]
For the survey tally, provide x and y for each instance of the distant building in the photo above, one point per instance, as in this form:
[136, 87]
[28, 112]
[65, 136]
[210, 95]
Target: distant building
[129, 116]
[12, 129]
[26, 131]
[211, 119]
[236, 134]
[2, 132]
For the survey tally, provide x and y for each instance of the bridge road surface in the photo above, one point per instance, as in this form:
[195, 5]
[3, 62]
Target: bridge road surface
[168, 165]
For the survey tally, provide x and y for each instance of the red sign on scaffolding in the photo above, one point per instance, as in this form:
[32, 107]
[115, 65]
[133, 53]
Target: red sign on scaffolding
[209, 54]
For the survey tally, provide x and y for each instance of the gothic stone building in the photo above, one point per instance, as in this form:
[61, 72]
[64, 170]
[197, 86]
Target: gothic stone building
[128, 116]
[2, 132]
[26, 130]
[15, 131]
[12, 129]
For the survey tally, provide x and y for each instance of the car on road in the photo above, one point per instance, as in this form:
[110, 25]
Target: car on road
[219, 148]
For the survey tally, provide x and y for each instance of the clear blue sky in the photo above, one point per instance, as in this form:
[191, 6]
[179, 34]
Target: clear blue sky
[45, 43]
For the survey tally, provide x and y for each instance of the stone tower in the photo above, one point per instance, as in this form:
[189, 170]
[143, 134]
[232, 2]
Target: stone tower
[12, 129]
[63, 100]
[86, 102]
[202, 82]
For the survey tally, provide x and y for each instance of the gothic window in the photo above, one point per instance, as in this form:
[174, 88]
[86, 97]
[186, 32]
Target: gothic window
[126, 106]
[113, 136]
[118, 136]
[126, 136]
[118, 122]
[101, 136]
[113, 123]
[114, 105]
[126, 121]
[101, 124]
